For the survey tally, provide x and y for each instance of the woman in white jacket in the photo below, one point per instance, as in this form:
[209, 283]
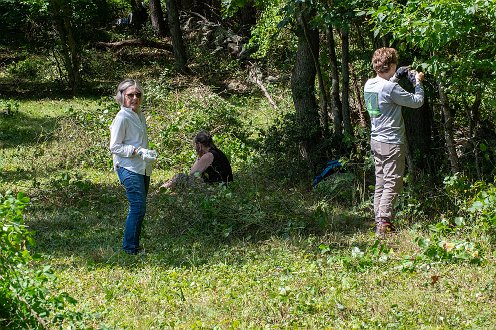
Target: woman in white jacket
[131, 157]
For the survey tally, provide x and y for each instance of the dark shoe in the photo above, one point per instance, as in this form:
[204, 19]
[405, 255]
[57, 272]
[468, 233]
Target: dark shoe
[139, 250]
[382, 228]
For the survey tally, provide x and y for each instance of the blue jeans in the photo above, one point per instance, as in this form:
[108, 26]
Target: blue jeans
[136, 190]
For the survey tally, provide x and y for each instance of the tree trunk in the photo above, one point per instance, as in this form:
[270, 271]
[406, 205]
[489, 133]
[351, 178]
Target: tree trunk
[138, 15]
[157, 18]
[335, 99]
[345, 92]
[357, 88]
[69, 46]
[323, 100]
[473, 113]
[418, 127]
[448, 129]
[177, 36]
[303, 92]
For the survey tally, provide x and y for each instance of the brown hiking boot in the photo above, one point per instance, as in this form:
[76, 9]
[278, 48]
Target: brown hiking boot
[382, 228]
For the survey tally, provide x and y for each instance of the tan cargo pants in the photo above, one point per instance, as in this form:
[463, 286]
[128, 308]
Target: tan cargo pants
[389, 162]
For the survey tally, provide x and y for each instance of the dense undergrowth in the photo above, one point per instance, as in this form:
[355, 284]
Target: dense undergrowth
[268, 251]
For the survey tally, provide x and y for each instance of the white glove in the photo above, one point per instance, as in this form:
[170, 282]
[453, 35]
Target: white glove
[148, 155]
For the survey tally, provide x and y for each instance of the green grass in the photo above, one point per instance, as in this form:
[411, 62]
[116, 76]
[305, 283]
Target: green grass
[267, 253]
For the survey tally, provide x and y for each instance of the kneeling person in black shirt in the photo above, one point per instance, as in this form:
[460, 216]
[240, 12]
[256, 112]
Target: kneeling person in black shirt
[212, 164]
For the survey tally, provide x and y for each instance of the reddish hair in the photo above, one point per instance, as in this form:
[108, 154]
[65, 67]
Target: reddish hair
[383, 58]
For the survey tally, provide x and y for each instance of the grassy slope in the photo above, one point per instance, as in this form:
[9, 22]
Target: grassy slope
[268, 255]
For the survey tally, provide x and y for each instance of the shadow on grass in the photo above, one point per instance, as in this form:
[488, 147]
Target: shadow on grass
[183, 229]
[32, 90]
[19, 129]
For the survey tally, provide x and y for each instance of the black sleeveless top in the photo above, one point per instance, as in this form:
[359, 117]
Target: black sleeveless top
[220, 170]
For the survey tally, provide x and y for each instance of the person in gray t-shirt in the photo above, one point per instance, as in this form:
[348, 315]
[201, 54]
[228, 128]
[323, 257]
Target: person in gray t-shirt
[384, 98]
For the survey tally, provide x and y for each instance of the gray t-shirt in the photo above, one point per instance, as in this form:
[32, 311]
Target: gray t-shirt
[384, 99]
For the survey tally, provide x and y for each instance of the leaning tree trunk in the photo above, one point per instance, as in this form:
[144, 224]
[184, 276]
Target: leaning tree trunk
[177, 36]
[70, 53]
[157, 18]
[345, 92]
[335, 99]
[448, 129]
[303, 92]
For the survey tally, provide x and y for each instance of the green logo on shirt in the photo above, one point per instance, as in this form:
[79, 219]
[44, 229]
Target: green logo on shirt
[372, 103]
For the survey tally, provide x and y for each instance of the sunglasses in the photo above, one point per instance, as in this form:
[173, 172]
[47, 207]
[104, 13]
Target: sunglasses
[132, 95]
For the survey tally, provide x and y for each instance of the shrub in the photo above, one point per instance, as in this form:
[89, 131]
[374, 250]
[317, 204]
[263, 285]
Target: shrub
[338, 187]
[25, 298]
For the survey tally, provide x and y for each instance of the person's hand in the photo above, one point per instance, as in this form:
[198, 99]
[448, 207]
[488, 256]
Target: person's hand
[415, 77]
[401, 72]
[419, 77]
[148, 155]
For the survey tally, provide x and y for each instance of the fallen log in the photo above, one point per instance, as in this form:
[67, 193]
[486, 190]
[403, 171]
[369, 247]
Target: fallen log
[134, 43]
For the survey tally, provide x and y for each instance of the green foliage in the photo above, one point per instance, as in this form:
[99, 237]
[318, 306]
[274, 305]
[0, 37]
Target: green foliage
[361, 259]
[219, 211]
[8, 107]
[279, 147]
[26, 68]
[94, 123]
[460, 238]
[338, 188]
[483, 207]
[25, 298]
[187, 116]
[34, 69]
[454, 38]
[242, 210]
[266, 36]
[440, 249]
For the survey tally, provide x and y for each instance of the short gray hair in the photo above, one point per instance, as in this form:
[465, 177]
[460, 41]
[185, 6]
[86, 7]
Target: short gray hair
[125, 84]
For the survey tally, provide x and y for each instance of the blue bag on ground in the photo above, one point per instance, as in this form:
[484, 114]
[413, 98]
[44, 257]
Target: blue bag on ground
[330, 168]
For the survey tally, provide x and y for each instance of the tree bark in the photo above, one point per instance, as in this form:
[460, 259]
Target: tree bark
[177, 36]
[303, 92]
[357, 88]
[418, 127]
[70, 53]
[345, 94]
[448, 129]
[134, 43]
[323, 100]
[473, 113]
[335, 99]
[157, 18]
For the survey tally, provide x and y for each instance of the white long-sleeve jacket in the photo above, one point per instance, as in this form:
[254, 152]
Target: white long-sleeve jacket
[128, 132]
